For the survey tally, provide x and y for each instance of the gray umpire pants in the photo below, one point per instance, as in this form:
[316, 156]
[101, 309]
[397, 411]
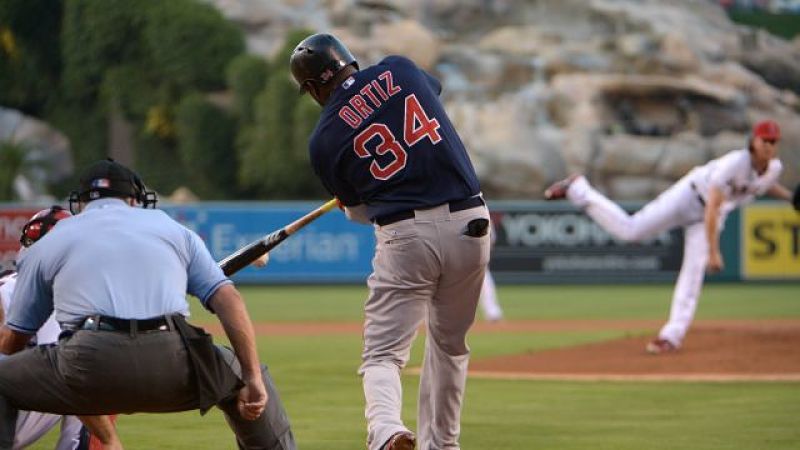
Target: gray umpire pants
[105, 372]
[425, 269]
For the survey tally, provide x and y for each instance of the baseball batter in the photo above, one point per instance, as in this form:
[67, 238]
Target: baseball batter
[386, 148]
[31, 425]
[699, 202]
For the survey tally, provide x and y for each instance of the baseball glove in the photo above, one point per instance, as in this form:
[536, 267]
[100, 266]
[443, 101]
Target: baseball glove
[796, 198]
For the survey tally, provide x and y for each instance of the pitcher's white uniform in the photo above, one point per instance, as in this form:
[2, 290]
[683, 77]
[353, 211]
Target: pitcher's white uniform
[682, 205]
[31, 425]
[488, 300]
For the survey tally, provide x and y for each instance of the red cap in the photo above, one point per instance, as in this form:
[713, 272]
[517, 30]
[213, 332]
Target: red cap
[767, 129]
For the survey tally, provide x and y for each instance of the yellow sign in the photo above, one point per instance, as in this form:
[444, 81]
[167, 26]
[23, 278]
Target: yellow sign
[770, 242]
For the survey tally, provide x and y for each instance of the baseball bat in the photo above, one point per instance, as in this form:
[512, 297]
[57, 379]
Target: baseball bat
[254, 250]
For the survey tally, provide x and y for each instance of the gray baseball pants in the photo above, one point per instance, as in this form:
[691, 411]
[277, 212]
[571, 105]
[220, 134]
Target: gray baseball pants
[425, 270]
[104, 372]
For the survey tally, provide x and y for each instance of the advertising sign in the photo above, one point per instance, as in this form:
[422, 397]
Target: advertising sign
[11, 223]
[330, 249]
[558, 243]
[770, 242]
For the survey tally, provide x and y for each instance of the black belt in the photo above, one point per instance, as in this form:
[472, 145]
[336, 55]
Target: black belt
[697, 193]
[457, 205]
[105, 323]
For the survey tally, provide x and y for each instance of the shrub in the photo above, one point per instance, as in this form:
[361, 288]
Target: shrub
[12, 159]
[205, 143]
[30, 64]
[190, 43]
[246, 76]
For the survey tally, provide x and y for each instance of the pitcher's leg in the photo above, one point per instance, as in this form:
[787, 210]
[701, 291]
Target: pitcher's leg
[688, 285]
[489, 304]
[661, 214]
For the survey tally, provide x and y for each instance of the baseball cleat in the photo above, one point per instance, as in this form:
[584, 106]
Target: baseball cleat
[558, 190]
[403, 440]
[659, 346]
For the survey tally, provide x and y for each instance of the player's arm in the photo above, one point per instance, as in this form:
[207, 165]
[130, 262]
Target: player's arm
[714, 201]
[12, 341]
[103, 428]
[231, 311]
[780, 192]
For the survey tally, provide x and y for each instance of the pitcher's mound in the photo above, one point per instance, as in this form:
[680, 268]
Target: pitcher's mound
[758, 352]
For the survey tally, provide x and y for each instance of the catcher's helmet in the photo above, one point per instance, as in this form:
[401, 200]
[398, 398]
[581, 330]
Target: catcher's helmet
[318, 58]
[41, 223]
[108, 178]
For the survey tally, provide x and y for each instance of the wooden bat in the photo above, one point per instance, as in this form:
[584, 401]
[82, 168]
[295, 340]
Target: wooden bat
[256, 249]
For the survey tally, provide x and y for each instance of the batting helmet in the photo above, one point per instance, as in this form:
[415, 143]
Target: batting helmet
[318, 58]
[41, 223]
[108, 178]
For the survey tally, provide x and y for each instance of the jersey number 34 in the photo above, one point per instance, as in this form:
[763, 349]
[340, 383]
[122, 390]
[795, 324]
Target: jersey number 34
[416, 126]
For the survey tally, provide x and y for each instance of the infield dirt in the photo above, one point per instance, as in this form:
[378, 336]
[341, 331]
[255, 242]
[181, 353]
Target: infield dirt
[714, 350]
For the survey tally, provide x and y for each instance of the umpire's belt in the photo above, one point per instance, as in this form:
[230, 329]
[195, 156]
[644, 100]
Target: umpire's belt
[132, 326]
[457, 205]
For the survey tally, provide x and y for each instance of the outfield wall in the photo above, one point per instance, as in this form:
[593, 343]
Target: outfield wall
[536, 242]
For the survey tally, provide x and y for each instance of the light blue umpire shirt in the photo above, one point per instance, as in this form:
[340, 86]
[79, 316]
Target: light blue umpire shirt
[114, 260]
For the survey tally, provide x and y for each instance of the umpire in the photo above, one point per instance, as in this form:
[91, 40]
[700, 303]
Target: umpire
[117, 276]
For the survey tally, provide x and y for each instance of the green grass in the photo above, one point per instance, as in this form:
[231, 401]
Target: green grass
[318, 381]
[345, 303]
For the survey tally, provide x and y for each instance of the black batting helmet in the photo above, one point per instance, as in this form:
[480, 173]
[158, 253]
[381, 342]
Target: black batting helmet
[318, 58]
[42, 222]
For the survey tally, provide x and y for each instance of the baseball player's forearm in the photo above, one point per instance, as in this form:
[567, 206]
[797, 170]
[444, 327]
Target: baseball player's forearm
[357, 213]
[780, 192]
[232, 314]
[12, 341]
[103, 428]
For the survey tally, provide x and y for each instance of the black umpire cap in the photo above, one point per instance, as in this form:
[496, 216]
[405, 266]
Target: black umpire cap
[108, 178]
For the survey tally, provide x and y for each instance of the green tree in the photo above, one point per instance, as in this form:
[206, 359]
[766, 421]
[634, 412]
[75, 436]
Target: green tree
[159, 163]
[268, 163]
[87, 129]
[246, 76]
[191, 43]
[144, 56]
[206, 136]
[305, 120]
[96, 36]
[12, 160]
[274, 156]
[30, 63]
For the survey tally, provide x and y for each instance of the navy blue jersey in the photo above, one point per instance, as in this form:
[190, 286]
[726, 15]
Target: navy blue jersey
[384, 140]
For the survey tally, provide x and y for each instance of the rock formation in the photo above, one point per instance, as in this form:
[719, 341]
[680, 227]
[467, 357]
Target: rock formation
[631, 92]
